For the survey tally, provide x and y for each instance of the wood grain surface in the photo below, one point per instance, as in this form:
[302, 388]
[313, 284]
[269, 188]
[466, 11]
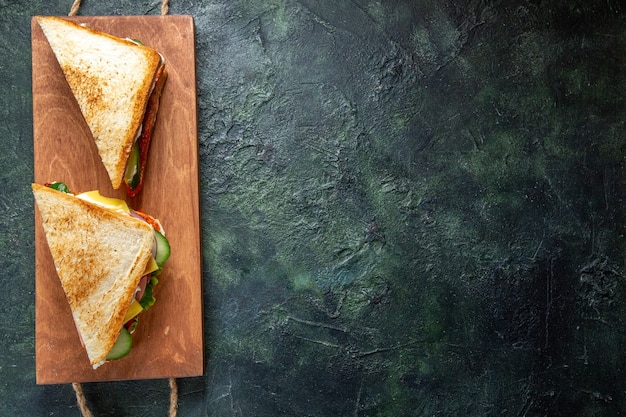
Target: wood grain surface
[169, 340]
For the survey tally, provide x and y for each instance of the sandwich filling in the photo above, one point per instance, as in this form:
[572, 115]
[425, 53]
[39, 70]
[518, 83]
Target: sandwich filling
[136, 164]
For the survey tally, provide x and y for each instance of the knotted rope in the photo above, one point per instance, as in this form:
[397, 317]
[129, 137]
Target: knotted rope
[165, 6]
[84, 409]
[80, 395]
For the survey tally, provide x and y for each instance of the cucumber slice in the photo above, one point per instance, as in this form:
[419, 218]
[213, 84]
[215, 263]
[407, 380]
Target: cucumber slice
[163, 249]
[122, 345]
[132, 173]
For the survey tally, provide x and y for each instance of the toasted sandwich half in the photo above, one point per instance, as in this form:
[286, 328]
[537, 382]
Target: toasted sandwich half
[106, 256]
[117, 84]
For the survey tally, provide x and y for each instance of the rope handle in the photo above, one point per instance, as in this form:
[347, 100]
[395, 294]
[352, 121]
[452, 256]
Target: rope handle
[165, 5]
[84, 409]
[78, 389]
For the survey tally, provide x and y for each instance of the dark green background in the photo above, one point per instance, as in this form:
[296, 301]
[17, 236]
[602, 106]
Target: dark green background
[409, 208]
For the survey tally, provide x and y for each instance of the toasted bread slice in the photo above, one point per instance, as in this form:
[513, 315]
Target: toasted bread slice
[111, 79]
[99, 255]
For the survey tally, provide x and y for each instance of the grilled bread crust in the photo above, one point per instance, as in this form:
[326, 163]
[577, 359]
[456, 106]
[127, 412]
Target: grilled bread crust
[111, 79]
[100, 256]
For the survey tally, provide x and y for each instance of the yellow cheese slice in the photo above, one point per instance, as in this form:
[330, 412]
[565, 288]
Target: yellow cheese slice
[108, 202]
[134, 309]
[151, 266]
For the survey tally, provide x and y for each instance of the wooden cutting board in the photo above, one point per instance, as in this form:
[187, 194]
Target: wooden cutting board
[168, 341]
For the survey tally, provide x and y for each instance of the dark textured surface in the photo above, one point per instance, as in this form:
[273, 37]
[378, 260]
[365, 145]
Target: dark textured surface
[408, 208]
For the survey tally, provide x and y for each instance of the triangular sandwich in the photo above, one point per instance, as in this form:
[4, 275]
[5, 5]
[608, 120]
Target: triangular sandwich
[117, 84]
[100, 256]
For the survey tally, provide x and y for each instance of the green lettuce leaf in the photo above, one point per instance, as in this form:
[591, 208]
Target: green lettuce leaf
[148, 300]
